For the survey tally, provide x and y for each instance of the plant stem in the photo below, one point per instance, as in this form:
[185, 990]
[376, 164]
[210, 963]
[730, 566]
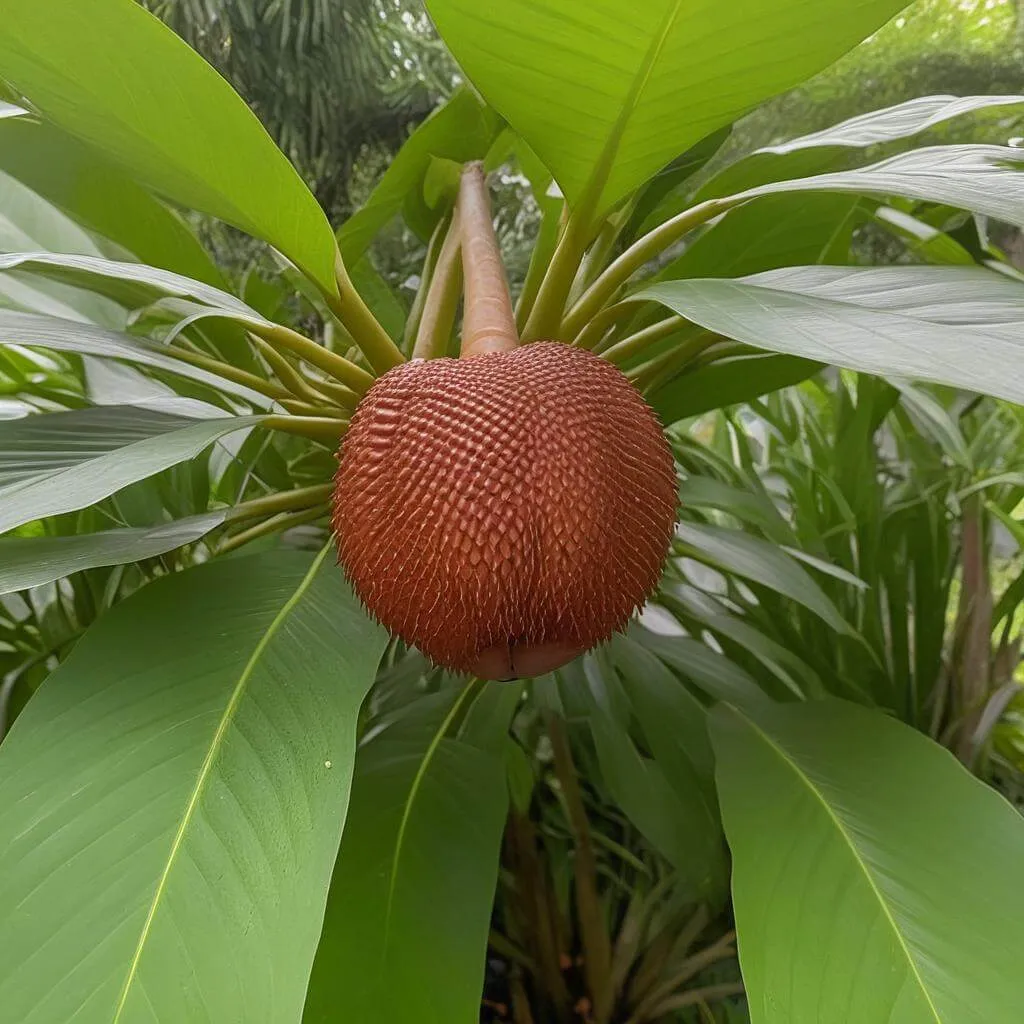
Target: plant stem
[286, 373]
[635, 343]
[488, 323]
[316, 428]
[545, 320]
[412, 323]
[283, 521]
[640, 252]
[543, 248]
[348, 306]
[442, 297]
[228, 372]
[283, 501]
[592, 335]
[597, 950]
[338, 367]
[652, 374]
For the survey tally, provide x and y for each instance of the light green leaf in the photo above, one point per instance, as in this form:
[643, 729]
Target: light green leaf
[62, 335]
[822, 150]
[62, 462]
[173, 797]
[463, 129]
[762, 562]
[673, 721]
[774, 231]
[718, 677]
[674, 821]
[405, 935]
[874, 879]
[104, 72]
[727, 381]
[922, 240]
[133, 284]
[745, 503]
[609, 92]
[985, 179]
[952, 325]
[101, 197]
[32, 561]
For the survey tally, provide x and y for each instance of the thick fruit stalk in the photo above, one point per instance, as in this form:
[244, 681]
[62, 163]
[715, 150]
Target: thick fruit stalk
[507, 510]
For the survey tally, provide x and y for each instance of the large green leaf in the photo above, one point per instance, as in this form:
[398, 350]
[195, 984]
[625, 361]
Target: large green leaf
[728, 381]
[130, 283]
[405, 934]
[775, 231]
[101, 197]
[710, 672]
[985, 179]
[114, 76]
[608, 92]
[173, 797]
[30, 222]
[64, 335]
[762, 562]
[961, 326]
[674, 821]
[463, 129]
[65, 461]
[32, 561]
[875, 881]
[823, 149]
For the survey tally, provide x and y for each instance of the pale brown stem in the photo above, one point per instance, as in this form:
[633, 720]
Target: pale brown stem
[488, 323]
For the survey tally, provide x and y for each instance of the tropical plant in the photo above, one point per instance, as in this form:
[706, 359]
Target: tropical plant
[177, 840]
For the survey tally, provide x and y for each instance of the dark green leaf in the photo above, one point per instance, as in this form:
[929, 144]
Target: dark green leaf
[62, 462]
[102, 73]
[463, 129]
[101, 197]
[952, 325]
[607, 93]
[874, 879]
[32, 561]
[174, 795]
[409, 909]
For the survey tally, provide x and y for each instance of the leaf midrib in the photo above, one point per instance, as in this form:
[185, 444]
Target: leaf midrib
[421, 770]
[841, 829]
[227, 717]
[596, 185]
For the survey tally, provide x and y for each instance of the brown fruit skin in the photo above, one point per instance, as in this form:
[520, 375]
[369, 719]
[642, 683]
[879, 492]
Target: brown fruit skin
[506, 512]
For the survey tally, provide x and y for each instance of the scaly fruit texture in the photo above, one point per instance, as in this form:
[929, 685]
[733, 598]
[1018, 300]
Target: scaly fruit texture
[506, 512]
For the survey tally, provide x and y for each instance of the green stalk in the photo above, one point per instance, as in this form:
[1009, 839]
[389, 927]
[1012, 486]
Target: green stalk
[316, 428]
[338, 367]
[543, 249]
[287, 374]
[284, 501]
[545, 319]
[348, 306]
[651, 375]
[635, 343]
[297, 408]
[437, 239]
[441, 302]
[640, 252]
[284, 521]
[340, 395]
[228, 372]
[593, 335]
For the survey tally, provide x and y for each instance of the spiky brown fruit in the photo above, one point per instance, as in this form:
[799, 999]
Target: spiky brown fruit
[507, 512]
